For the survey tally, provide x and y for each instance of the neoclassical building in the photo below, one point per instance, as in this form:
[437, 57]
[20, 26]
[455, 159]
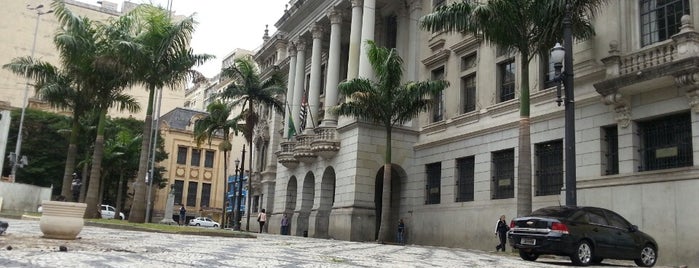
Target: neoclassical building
[455, 167]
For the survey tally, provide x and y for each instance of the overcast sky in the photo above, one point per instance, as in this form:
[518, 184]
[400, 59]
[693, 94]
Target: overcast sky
[224, 25]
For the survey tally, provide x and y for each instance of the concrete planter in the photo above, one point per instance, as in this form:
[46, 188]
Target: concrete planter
[62, 220]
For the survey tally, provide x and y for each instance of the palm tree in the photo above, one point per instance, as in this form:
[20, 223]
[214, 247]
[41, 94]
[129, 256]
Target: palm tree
[163, 59]
[119, 154]
[248, 91]
[530, 27]
[215, 125]
[386, 102]
[95, 55]
[54, 86]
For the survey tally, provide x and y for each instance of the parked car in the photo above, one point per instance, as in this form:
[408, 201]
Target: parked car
[108, 212]
[587, 235]
[203, 221]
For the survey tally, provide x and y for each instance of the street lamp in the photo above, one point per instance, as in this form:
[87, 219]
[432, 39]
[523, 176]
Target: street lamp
[233, 202]
[562, 57]
[238, 197]
[18, 147]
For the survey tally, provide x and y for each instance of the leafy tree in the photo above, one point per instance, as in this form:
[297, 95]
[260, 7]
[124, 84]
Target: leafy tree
[163, 59]
[530, 27]
[387, 103]
[217, 124]
[248, 91]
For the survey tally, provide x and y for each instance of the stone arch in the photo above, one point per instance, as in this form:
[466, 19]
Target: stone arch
[291, 190]
[304, 211]
[320, 217]
[398, 179]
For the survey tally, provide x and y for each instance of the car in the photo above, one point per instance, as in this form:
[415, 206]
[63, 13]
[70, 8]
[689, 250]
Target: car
[203, 221]
[108, 212]
[587, 235]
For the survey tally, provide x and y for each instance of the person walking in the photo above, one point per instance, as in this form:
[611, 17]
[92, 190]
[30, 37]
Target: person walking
[262, 218]
[183, 214]
[285, 224]
[401, 232]
[75, 187]
[501, 229]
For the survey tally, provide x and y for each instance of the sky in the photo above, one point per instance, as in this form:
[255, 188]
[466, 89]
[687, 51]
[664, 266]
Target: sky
[223, 25]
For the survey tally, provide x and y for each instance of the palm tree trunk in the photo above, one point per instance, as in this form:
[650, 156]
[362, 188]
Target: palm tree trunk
[83, 187]
[91, 199]
[524, 166]
[103, 181]
[138, 207]
[70, 159]
[120, 189]
[386, 193]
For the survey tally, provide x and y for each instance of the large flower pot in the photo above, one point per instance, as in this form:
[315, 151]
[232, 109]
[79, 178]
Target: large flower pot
[62, 220]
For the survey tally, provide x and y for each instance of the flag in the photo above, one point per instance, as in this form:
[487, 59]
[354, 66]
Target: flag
[292, 129]
[303, 112]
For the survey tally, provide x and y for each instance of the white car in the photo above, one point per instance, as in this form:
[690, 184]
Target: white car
[109, 211]
[203, 221]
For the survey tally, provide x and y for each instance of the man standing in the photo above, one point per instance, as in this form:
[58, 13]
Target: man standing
[285, 224]
[183, 214]
[75, 187]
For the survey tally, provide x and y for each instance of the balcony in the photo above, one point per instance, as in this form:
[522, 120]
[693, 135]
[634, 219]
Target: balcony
[326, 143]
[302, 150]
[286, 155]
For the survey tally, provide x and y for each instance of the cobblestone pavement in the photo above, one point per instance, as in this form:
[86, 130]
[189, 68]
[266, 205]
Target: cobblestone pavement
[103, 247]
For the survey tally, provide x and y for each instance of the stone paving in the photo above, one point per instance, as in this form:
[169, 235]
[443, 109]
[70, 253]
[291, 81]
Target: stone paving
[103, 247]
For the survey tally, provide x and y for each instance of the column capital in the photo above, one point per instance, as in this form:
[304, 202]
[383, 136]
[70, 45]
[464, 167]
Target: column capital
[317, 31]
[292, 50]
[300, 44]
[357, 3]
[335, 16]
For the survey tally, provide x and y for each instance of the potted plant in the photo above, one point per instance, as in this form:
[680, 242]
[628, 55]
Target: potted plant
[62, 220]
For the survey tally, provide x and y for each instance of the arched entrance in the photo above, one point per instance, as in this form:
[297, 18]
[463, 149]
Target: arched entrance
[290, 204]
[398, 175]
[303, 213]
[321, 216]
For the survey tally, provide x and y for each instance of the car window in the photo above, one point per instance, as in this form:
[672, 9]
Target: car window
[596, 217]
[110, 208]
[616, 220]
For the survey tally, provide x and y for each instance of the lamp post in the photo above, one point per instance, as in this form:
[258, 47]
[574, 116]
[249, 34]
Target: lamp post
[18, 146]
[234, 202]
[239, 185]
[562, 57]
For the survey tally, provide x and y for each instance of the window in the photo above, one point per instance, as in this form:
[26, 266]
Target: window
[610, 148]
[196, 157]
[464, 180]
[205, 194]
[660, 19]
[181, 155]
[438, 108]
[596, 216]
[549, 168]
[209, 159]
[391, 31]
[548, 72]
[506, 80]
[666, 142]
[469, 61]
[503, 174]
[434, 178]
[192, 194]
[177, 190]
[468, 93]
[617, 221]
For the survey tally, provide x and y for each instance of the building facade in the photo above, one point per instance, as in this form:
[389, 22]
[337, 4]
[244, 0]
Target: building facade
[454, 167]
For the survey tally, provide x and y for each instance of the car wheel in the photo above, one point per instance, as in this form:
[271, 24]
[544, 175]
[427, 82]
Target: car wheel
[215, 225]
[648, 256]
[197, 224]
[583, 254]
[528, 256]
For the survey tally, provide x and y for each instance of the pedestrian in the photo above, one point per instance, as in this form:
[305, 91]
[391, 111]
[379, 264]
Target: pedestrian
[501, 229]
[401, 232]
[183, 214]
[262, 218]
[285, 224]
[75, 187]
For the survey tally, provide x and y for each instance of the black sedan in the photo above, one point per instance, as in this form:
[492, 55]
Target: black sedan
[585, 234]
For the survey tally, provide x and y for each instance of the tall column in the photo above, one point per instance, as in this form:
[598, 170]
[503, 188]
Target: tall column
[368, 24]
[289, 90]
[333, 67]
[355, 40]
[314, 87]
[413, 32]
[298, 82]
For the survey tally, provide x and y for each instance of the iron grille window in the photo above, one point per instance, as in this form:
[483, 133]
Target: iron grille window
[468, 89]
[205, 194]
[177, 190]
[666, 142]
[549, 168]
[660, 19]
[209, 159]
[181, 155]
[465, 181]
[506, 72]
[611, 150]
[503, 174]
[192, 194]
[438, 108]
[196, 157]
[434, 178]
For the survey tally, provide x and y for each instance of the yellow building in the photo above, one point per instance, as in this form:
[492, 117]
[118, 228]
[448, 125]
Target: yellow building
[195, 173]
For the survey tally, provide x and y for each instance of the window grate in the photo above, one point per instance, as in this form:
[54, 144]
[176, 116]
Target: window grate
[503, 174]
[468, 89]
[666, 142]
[192, 194]
[465, 180]
[611, 150]
[432, 188]
[205, 194]
[549, 168]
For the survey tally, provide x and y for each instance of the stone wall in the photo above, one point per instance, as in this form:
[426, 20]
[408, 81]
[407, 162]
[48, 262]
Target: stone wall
[18, 197]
